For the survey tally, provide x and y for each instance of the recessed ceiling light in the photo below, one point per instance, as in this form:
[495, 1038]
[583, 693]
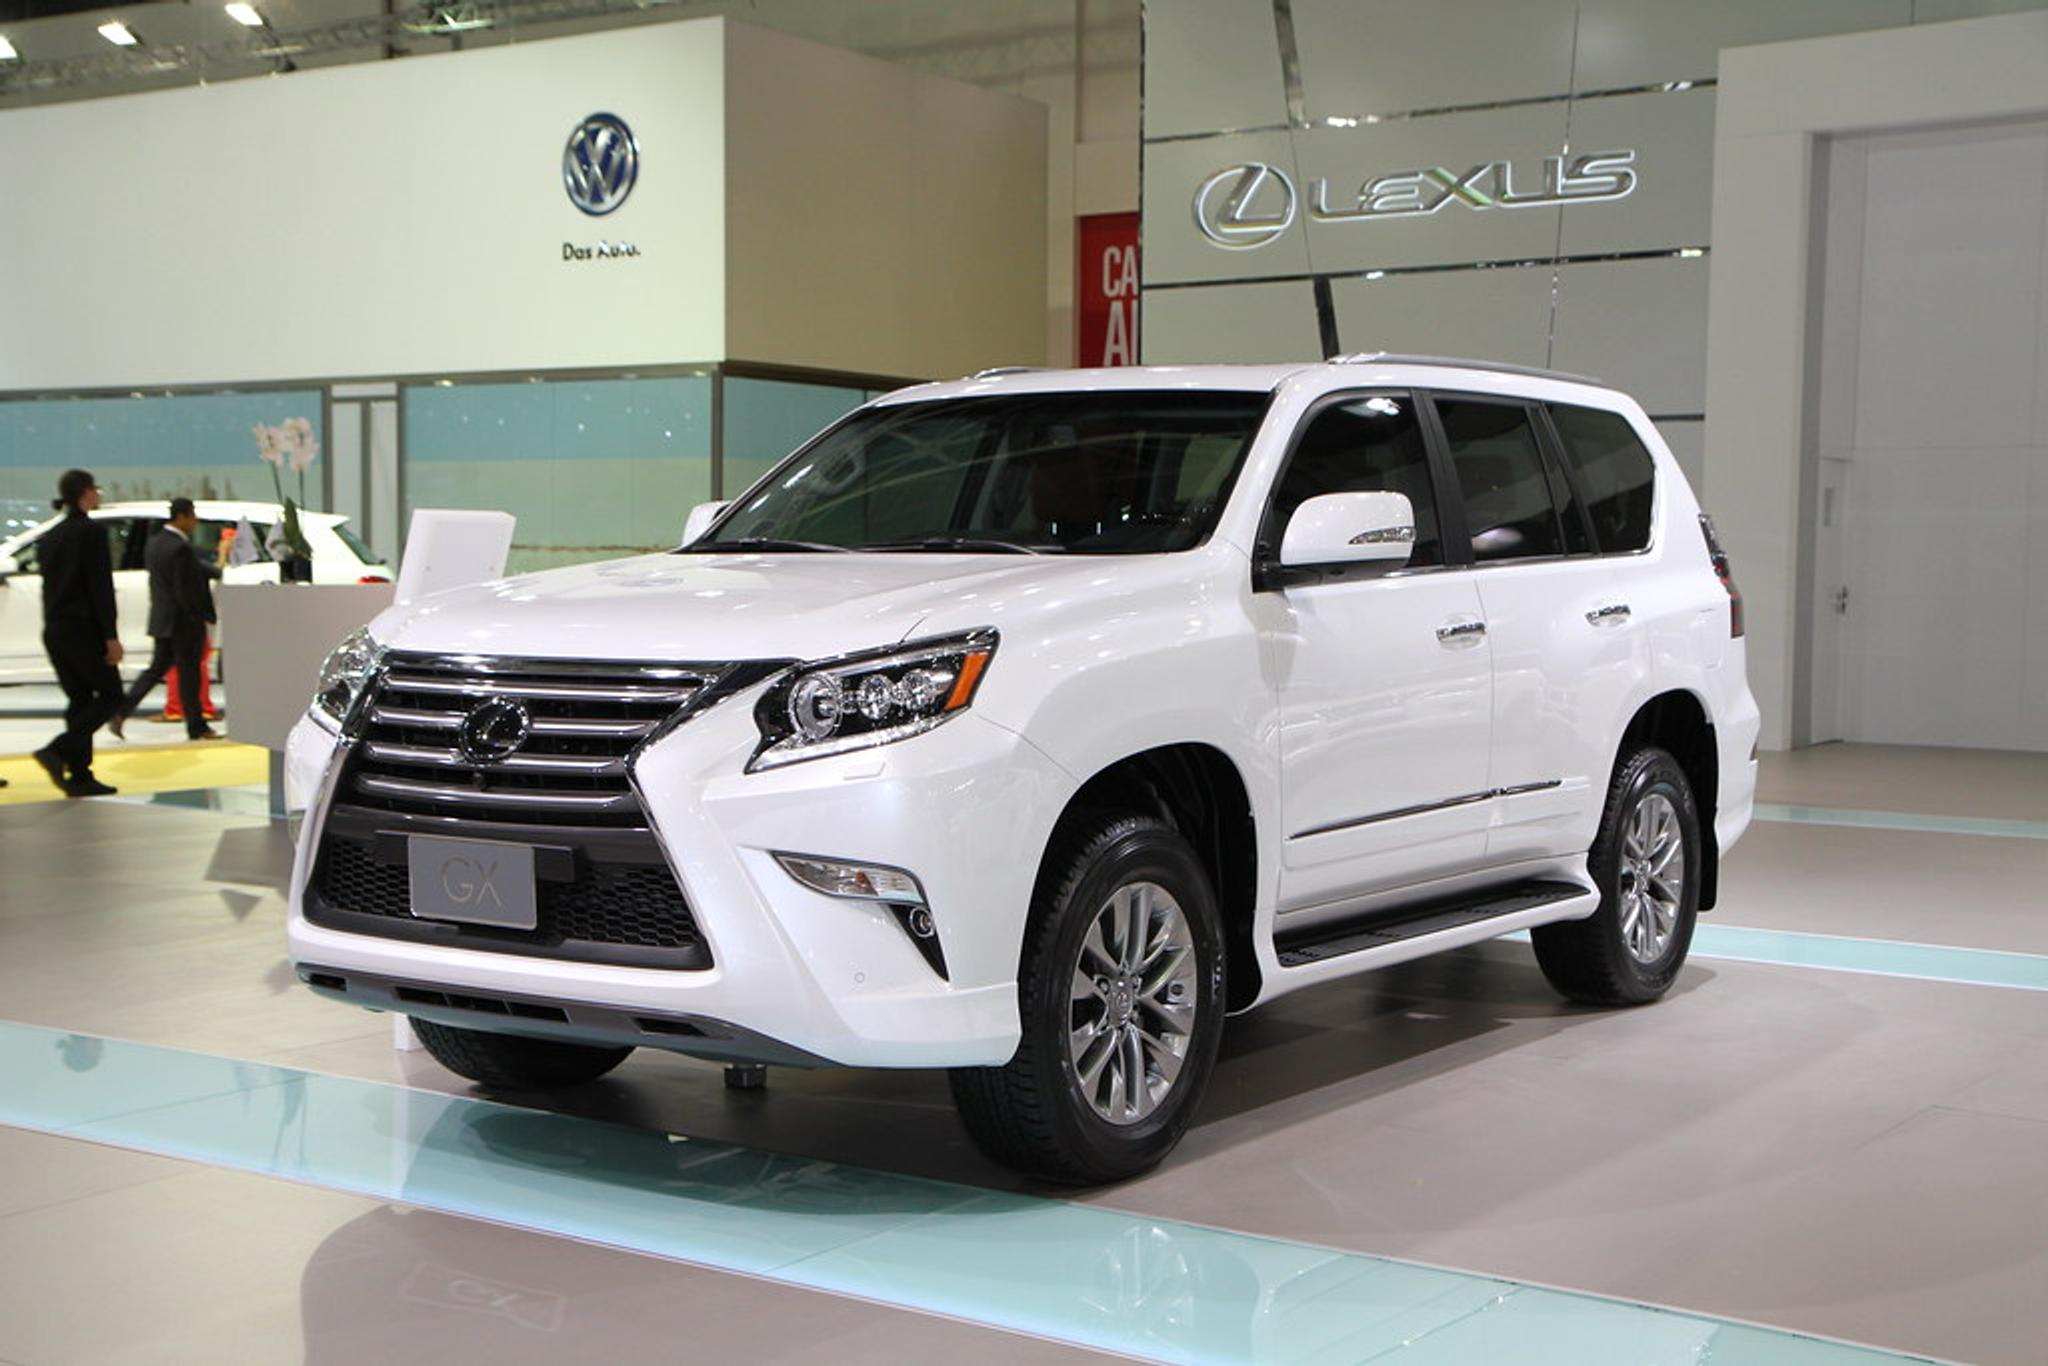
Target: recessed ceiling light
[245, 14]
[7, 52]
[117, 33]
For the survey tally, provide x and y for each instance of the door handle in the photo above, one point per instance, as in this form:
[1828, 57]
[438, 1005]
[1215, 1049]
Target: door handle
[1460, 635]
[1613, 614]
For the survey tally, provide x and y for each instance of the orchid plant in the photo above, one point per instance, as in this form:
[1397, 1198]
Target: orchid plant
[290, 443]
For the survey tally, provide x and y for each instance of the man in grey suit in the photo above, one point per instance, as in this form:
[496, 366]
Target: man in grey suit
[180, 610]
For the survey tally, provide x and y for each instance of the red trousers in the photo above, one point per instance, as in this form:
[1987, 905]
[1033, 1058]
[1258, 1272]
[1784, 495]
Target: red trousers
[174, 710]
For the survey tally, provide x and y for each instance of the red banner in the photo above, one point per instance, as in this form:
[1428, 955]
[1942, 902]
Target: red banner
[1106, 289]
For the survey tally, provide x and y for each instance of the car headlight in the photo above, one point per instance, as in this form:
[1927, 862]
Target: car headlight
[874, 698]
[342, 677]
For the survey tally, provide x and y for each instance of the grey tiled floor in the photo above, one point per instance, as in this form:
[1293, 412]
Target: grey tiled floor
[1855, 1156]
[110, 1256]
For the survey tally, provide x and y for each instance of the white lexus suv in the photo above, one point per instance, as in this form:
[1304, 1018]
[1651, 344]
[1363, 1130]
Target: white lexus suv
[1029, 724]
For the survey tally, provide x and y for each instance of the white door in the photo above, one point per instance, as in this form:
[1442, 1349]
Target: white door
[1831, 603]
[1384, 683]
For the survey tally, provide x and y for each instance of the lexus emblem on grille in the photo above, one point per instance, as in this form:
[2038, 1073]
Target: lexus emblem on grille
[600, 164]
[493, 730]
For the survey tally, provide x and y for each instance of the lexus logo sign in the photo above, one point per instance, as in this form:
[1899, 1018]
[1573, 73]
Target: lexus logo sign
[600, 164]
[493, 730]
[1243, 207]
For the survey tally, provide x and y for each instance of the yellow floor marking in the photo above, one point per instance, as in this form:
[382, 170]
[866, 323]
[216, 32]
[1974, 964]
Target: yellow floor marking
[143, 768]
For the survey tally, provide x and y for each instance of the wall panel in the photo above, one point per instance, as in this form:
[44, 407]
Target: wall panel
[1500, 314]
[1639, 325]
[1225, 323]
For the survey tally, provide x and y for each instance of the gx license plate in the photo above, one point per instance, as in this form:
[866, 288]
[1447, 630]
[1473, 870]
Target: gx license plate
[473, 881]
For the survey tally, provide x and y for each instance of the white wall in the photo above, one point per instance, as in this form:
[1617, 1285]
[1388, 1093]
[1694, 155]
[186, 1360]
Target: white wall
[796, 205]
[1768, 391]
[397, 218]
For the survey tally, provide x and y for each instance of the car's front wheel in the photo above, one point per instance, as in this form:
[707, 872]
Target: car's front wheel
[1121, 990]
[513, 1062]
[1646, 862]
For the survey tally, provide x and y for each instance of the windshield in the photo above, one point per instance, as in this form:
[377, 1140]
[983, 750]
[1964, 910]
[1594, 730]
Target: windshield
[1130, 472]
[356, 544]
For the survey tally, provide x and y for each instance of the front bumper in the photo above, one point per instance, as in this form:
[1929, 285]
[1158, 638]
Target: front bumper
[794, 975]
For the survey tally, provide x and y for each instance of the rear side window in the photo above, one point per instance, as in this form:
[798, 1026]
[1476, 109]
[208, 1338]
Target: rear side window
[126, 539]
[1366, 445]
[1508, 505]
[1614, 470]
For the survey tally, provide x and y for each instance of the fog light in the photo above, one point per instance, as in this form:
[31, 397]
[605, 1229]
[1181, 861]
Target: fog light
[863, 881]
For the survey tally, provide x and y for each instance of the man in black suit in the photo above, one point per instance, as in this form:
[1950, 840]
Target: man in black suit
[79, 633]
[180, 610]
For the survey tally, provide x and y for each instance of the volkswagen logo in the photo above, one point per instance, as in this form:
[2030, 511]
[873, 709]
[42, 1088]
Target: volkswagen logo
[1245, 206]
[493, 730]
[600, 164]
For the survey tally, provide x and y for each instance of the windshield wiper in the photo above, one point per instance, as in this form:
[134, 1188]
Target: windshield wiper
[766, 543]
[987, 543]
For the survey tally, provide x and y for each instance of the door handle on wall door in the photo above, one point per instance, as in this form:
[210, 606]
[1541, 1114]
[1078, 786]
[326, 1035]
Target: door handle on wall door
[1613, 614]
[1461, 633]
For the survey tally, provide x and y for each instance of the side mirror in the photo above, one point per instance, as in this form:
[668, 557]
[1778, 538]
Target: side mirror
[700, 519]
[1350, 528]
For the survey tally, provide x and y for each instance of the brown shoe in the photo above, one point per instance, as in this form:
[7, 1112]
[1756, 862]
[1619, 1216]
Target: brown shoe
[204, 733]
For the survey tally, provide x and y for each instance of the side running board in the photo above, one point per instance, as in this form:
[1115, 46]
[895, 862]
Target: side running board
[1391, 925]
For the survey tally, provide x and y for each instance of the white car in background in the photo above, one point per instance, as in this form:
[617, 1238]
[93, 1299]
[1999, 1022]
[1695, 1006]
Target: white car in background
[339, 556]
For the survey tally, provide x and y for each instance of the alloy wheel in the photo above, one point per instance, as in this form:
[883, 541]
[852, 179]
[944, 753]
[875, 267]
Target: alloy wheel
[1652, 878]
[1133, 1002]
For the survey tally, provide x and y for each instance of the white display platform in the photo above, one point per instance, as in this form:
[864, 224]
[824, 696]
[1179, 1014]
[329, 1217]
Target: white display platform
[275, 637]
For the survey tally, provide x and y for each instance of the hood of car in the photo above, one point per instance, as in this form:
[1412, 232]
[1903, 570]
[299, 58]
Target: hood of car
[711, 608]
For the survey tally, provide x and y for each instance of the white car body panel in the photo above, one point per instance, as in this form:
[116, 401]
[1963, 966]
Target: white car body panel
[1333, 703]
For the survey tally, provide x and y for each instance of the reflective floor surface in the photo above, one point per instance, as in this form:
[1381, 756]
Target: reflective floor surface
[1837, 1124]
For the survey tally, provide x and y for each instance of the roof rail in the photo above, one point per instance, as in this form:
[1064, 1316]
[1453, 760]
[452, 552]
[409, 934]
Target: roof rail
[995, 370]
[1497, 367]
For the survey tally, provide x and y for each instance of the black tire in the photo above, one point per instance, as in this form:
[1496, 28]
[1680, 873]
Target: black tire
[513, 1062]
[1590, 960]
[1032, 1113]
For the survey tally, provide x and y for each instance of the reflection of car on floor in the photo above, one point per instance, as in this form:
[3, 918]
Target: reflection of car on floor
[339, 556]
[1025, 725]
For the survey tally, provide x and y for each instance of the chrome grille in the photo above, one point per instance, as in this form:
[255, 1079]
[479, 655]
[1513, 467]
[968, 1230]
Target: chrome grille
[586, 719]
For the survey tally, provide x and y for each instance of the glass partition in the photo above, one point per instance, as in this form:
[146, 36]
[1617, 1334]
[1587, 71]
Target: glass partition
[766, 419]
[150, 447]
[593, 469]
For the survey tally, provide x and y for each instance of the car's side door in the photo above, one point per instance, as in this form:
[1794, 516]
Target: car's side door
[21, 617]
[1566, 653]
[127, 539]
[1383, 676]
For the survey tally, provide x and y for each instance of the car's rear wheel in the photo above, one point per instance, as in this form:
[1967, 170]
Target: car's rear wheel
[1121, 990]
[513, 1062]
[1646, 863]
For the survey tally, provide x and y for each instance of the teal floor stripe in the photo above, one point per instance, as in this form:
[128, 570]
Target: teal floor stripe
[1902, 820]
[1885, 957]
[1100, 1278]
